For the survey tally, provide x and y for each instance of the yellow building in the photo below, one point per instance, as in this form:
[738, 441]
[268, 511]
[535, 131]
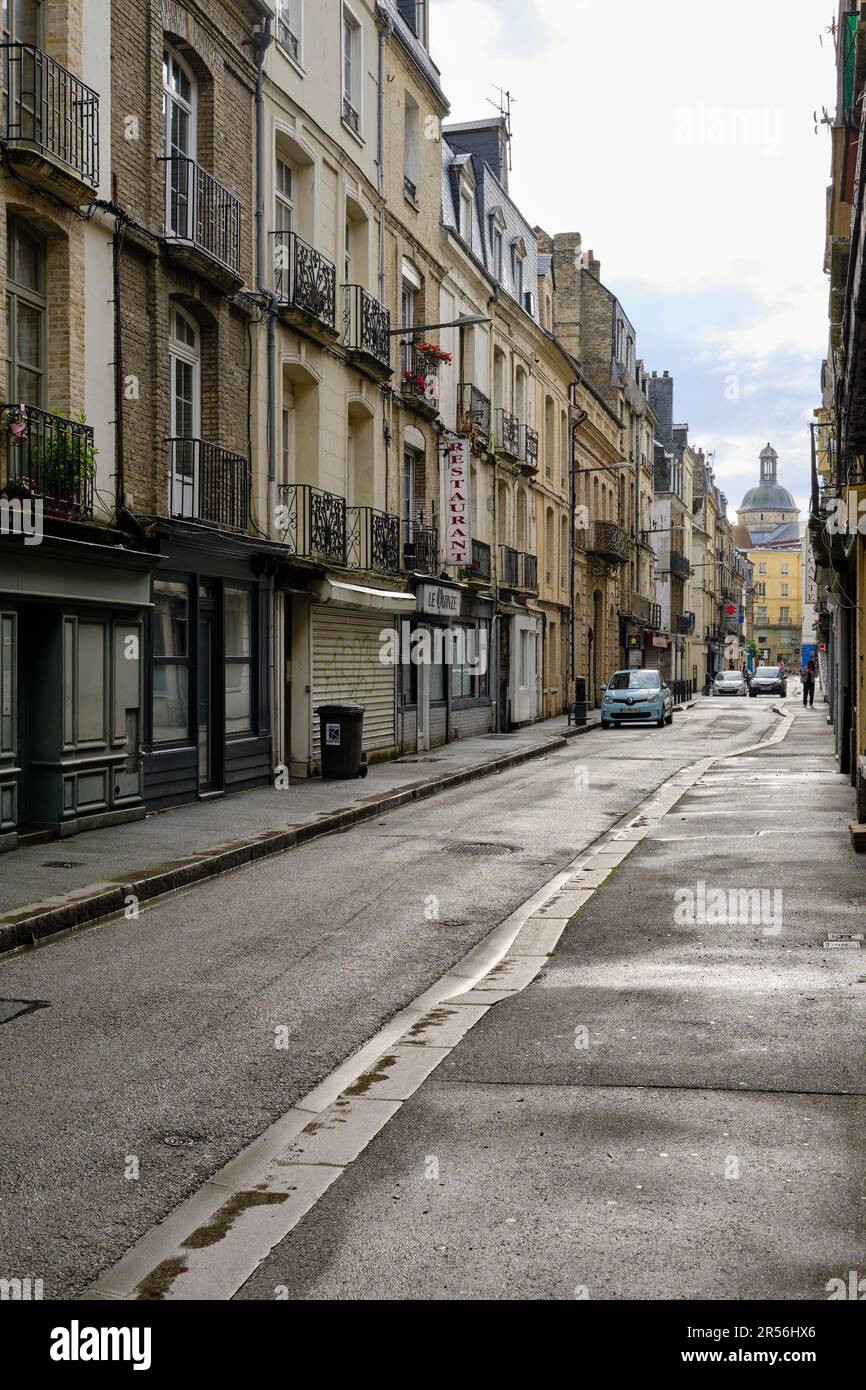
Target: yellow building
[769, 534]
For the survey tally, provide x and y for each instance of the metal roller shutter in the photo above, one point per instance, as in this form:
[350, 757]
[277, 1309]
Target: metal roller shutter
[346, 666]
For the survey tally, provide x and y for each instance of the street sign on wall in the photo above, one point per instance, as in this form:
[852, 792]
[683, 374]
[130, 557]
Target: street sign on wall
[458, 529]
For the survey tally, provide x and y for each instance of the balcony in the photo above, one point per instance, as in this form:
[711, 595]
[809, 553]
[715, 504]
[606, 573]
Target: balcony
[312, 523]
[49, 457]
[508, 567]
[420, 380]
[367, 328]
[527, 571]
[507, 436]
[482, 562]
[286, 39]
[372, 540]
[529, 448]
[305, 283]
[684, 624]
[639, 608]
[420, 548]
[473, 416]
[50, 123]
[351, 117]
[679, 565]
[609, 542]
[209, 484]
[202, 222]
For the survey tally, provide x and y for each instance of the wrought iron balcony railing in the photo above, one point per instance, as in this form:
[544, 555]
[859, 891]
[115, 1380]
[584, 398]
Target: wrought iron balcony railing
[210, 484]
[474, 415]
[507, 433]
[50, 111]
[366, 324]
[527, 571]
[508, 566]
[481, 567]
[420, 377]
[410, 189]
[304, 279]
[420, 548]
[286, 39]
[680, 565]
[201, 212]
[350, 116]
[639, 607]
[312, 523]
[529, 452]
[609, 541]
[372, 540]
[49, 457]
[655, 616]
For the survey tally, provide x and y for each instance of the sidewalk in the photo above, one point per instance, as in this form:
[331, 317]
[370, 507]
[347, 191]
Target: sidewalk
[52, 886]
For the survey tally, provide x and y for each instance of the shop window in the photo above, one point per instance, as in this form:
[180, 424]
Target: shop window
[238, 659]
[468, 670]
[170, 619]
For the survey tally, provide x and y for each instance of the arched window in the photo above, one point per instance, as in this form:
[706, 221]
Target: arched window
[185, 403]
[26, 308]
[520, 396]
[522, 537]
[549, 436]
[549, 548]
[179, 136]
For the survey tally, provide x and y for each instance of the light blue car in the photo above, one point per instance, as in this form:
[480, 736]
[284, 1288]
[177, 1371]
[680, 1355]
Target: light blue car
[636, 697]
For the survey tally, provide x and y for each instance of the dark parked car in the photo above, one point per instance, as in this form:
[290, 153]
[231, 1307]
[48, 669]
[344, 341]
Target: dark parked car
[769, 680]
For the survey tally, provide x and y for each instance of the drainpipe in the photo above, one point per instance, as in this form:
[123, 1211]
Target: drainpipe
[261, 41]
[384, 33]
[571, 674]
[494, 568]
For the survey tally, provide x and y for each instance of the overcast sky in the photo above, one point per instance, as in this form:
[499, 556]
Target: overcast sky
[678, 138]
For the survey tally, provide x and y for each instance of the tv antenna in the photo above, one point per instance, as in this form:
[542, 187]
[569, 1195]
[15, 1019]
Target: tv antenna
[503, 106]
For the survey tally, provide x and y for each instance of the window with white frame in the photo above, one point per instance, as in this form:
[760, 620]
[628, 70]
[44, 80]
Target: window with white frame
[179, 143]
[466, 217]
[290, 20]
[185, 404]
[352, 70]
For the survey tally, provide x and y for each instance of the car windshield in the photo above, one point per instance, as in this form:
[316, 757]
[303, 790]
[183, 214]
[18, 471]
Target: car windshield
[635, 680]
[767, 673]
[729, 676]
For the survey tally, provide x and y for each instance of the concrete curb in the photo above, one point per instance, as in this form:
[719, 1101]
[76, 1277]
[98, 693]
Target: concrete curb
[23, 926]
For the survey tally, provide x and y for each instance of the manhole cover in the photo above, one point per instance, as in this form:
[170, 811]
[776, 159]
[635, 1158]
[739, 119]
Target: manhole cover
[13, 1008]
[481, 850]
[181, 1141]
[63, 864]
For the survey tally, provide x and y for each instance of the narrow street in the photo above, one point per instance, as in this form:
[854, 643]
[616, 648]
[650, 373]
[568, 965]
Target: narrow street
[667, 1110]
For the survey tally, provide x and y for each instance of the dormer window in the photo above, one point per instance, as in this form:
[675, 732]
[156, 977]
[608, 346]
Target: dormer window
[518, 256]
[497, 243]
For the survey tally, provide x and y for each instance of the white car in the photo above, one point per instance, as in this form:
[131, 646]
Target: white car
[730, 683]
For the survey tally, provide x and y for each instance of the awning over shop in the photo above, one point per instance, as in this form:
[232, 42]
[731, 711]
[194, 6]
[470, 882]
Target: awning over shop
[361, 596]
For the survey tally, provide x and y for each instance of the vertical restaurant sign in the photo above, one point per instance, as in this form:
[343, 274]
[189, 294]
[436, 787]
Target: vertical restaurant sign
[458, 533]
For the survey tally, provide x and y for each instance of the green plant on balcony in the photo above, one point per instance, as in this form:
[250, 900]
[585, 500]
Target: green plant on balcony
[61, 459]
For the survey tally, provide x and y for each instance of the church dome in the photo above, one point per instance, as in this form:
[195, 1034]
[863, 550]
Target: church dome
[768, 497]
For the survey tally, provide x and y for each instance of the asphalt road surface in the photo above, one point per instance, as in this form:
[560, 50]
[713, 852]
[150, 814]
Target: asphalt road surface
[155, 1059]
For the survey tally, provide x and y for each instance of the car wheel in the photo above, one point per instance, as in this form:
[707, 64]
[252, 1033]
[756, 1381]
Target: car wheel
[670, 718]
[660, 723]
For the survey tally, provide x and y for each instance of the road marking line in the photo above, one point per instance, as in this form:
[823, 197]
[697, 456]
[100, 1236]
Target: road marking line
[211, 1244]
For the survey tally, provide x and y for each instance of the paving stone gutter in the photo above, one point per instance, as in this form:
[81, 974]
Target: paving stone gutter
[24, 926]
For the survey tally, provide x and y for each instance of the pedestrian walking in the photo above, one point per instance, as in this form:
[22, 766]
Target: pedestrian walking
[809, 684]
